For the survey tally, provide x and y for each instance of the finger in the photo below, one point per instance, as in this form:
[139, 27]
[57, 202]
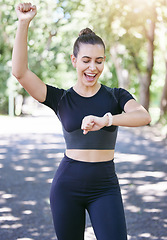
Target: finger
[87, 123]
[20, 7]
[33, 7]
[24, 7]
[27, 7]
[83, 125]
[85, 132]
[89, 126]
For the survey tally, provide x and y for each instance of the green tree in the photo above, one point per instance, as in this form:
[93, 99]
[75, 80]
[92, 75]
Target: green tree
[48, 40]
[128, 28]
[162, 11]
[6, 33]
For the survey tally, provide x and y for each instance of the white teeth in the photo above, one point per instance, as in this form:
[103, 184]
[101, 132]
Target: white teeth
[91, 75]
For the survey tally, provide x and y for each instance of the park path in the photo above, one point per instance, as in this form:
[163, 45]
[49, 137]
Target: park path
[30, 151]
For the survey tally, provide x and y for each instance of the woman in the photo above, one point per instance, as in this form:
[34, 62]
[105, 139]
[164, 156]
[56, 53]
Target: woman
[90, 114]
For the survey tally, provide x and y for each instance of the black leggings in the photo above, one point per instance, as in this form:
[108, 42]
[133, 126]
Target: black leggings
[78, 186]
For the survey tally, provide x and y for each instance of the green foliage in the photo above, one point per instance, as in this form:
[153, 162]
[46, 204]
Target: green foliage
[6, 30]
[52, 32]
[125, 24]
[48, 44]
[49, 53]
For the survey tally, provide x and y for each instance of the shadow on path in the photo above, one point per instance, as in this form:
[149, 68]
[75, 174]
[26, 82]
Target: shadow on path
[28, 161]
[142, 170]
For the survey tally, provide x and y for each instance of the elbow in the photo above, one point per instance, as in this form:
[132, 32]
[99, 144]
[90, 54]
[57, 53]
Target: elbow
[147, 119]
[16, 75]
[18, 72]
[145, 116]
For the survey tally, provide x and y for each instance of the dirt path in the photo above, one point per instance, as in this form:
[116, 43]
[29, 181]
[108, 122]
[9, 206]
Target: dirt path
[30, 152]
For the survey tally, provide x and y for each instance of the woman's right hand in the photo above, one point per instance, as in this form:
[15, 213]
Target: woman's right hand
[26, 11]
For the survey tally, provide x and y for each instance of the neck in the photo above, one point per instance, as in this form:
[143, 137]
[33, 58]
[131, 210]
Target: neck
[87, 91]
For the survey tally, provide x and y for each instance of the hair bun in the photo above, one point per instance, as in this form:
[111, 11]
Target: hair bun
[86, 31]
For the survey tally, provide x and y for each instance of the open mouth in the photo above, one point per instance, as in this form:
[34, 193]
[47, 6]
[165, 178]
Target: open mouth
[90, 76]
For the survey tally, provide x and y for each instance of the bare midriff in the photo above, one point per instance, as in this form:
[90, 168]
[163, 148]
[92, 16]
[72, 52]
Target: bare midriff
[90, 155]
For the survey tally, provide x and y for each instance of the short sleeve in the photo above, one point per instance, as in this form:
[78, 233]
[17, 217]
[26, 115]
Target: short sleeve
[53, 97]
[123, 96]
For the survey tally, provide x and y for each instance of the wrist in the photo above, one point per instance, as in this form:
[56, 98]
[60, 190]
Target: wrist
[24, 22]
[109, 119]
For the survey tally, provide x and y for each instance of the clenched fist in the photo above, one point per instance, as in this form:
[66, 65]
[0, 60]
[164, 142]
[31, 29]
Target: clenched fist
[26, 11]
[93, 123]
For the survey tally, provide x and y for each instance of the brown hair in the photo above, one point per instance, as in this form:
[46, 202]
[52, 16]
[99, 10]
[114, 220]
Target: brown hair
[86, 36]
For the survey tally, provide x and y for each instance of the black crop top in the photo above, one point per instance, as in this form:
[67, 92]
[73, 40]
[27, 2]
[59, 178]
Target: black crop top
[71, 108]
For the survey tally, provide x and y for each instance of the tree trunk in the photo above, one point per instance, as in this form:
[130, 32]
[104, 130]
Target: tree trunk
[145, 81]
[144, 90]
[122, 74]
[163, 105]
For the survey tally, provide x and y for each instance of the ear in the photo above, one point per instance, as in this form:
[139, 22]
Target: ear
[73, 60]
[104, 58]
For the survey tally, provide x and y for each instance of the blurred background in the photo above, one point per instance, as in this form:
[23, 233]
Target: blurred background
[135, 34]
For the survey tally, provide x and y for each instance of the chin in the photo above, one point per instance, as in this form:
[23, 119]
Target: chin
[90, 83]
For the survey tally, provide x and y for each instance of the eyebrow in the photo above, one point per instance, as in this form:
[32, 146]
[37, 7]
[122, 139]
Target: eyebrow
[90, 57]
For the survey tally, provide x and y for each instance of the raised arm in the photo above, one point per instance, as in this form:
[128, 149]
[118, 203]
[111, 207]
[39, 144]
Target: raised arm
[30, 82]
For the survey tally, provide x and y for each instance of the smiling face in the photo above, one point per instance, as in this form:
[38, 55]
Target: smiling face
[89, 64]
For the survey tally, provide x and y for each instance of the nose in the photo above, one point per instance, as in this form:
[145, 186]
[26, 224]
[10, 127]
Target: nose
[92, 66]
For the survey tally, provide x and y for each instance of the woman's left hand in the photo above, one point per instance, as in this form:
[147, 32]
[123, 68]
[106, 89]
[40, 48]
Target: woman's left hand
[93, 123]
